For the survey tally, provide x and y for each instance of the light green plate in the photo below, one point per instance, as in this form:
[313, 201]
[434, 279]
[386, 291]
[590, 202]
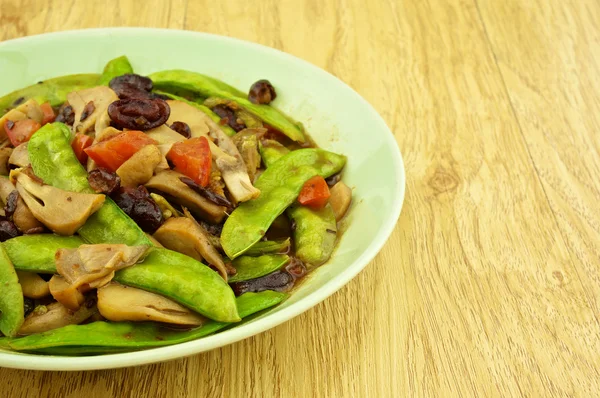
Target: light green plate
[336, 116]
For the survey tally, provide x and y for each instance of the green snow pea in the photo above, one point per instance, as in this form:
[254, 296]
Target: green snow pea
[268, 247]
[254, 267]
[184, 280]
[215, 118]
[54, 161]
[11, 297]
[115, 67]
[314, 235]
[101, 337]
[35, 253]
[316, 230]
[53, 90]
[178, 81]
[279, 185]
[271, 151]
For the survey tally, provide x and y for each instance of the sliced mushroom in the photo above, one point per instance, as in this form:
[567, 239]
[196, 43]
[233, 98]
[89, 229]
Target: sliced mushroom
[20, 156]
[341, 196]
[4, 157]
[225, 153]
[95, 265]
[33, 285]
[32, 109]
[65, 293]
[98, 119]
[123, 303]
[56, 315]
[185, 235]
[61, 211]
[247, 143]
[168, 182]
[22, 217]
[138, 169]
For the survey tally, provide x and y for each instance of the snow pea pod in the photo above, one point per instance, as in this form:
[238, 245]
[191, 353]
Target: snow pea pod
[271, 151]
[279, 185]
[316, 230]
[35, 253]
[204, 86]
[269, 247]
[314, 235]
[115, 67]
[184, 280]
[99, 337]
[53, 90]
[215, 118]
[12, 313]
[54, 161]
[254, 267]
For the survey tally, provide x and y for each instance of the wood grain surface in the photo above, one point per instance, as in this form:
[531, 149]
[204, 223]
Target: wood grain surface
[490, 284]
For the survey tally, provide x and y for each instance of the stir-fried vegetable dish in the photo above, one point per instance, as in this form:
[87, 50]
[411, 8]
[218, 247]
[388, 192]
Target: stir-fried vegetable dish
[143, 211]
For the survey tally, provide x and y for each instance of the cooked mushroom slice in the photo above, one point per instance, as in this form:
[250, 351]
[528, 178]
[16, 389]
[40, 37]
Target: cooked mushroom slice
[225, 153]
[164, 135]
[22, 217]
[138, 169]
[168, 182]
[65, 293]
[32, 110]
[341, 196]
[123, 303]
[19, 156]
[101, 97]
[185, 235]
[56, 315]
[4, 156]
[95, 265]
[247, 143]
[33, 285]
[61, 211]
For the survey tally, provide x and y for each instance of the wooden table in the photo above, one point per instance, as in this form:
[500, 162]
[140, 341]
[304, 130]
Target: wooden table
[490, 284]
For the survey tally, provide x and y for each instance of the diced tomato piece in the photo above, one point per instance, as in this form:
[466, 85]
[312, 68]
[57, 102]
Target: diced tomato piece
[112, 153]
[314, 193]
[20, 131]
[49, 115]
[79, 144]
[193, 158]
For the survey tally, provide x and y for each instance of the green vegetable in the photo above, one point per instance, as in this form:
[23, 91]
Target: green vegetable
[268, 247]
[271, 151]
[254, 267]
[54, 161]
[204, 87]
[314, 235]
[11, 297]
[35, 253]
[316, 230]
[115, 67]
[53, 90]
[280, 185]
[184, 280]
[99, 337]
[214, 117]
